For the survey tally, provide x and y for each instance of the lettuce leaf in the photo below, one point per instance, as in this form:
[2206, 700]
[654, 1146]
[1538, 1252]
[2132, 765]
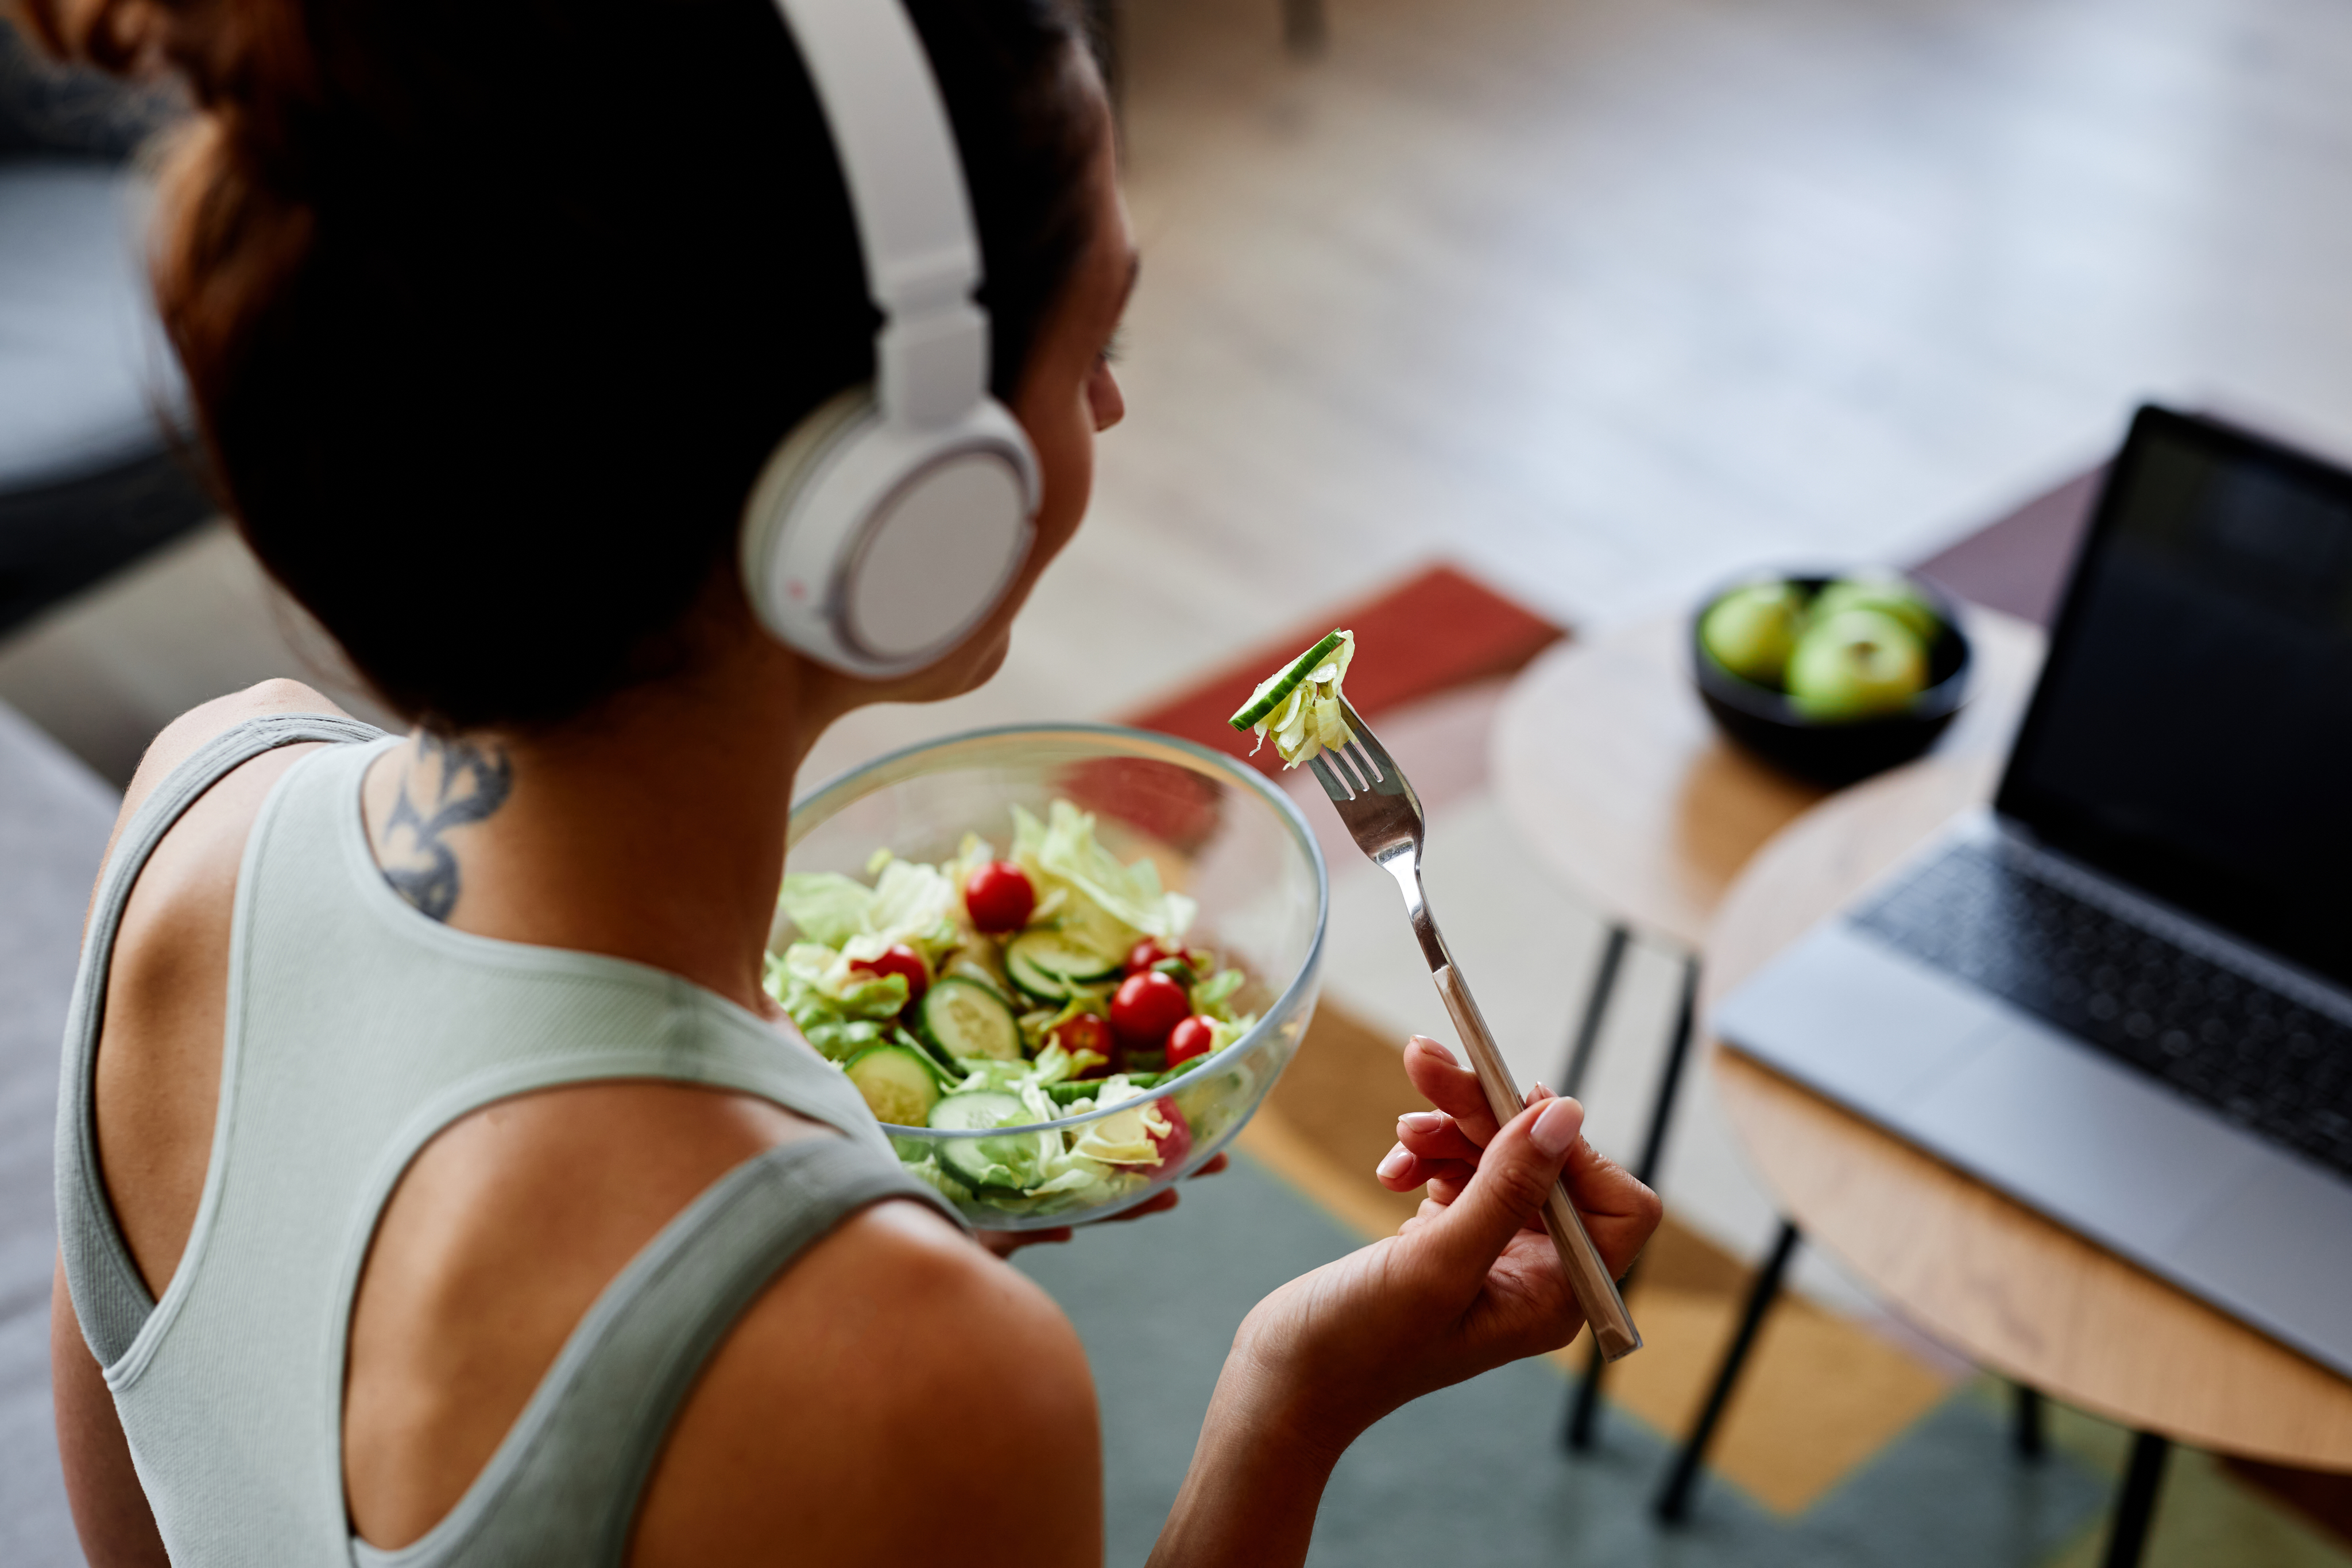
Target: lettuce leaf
[838, 1011]
[827, 906]
[1082, 888]
[1128, 1139]
[910, 903]
[913, 906]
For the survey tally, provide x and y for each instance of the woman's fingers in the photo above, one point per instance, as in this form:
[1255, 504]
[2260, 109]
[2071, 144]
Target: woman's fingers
[1508, 1192]
[1159, 1202]
[1619, 1211]
[1434, 1135]
[1403, 1170]
[1451, 1087]
[1006, 1243]
[1217, 1162]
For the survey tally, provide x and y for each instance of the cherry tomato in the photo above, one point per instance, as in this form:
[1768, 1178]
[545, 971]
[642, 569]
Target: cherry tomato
[999, 896]
[900, 960]
[1177, 1141]
[1196, 1035]
[1087, 1031]
[1148, 952]
[1145, 1008]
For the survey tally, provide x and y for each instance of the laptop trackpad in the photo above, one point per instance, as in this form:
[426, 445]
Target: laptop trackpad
[2092, 1142]
[1865, 1024]
[2277, 1245]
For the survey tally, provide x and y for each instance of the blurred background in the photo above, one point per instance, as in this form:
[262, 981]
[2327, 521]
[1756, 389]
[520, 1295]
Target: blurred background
[1601, 300]
[1596, 301]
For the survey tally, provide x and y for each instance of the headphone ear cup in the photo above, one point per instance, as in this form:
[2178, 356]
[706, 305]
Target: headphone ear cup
[785, 603]
[875, 549]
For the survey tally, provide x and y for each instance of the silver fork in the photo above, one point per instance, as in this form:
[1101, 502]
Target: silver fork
[1384, 817]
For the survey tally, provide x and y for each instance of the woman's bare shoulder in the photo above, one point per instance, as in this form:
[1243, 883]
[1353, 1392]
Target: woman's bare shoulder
[188, 734]
[897, 1388]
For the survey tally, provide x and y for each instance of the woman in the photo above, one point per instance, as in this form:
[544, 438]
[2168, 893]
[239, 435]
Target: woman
[492, 315]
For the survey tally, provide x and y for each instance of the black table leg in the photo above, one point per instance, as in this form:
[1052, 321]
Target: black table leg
[1661, 1108]
[1596, 1011]
[2143, 1479]
[1303, 29]
[2025, 1432]
[1674, 1499]
[1582, 1428]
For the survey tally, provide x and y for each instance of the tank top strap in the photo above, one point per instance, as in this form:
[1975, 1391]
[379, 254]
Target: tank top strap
[109, 1299]
[563, 1489]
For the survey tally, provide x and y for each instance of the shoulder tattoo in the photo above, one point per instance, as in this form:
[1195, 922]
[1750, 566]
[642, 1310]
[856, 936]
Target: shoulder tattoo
[451, 784]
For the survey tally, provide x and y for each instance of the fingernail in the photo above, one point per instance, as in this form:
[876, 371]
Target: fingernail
[1428, 1044]
[1420, 1121]
[1556, 1126]
[1398, 1158]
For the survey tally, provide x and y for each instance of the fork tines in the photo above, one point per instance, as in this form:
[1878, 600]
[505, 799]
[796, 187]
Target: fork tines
[1347, 771]
[1336, 780]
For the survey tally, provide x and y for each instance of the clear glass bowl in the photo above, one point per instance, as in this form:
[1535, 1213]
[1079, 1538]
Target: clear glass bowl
[1216, 829]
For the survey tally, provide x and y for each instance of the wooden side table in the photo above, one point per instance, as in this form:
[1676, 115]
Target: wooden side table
[2009, 1289]
[1612, 770]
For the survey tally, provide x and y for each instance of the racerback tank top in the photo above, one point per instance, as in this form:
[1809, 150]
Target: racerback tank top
[357, 1029]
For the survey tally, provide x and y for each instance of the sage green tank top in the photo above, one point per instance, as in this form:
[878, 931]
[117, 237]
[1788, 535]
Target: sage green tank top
[358, 1029]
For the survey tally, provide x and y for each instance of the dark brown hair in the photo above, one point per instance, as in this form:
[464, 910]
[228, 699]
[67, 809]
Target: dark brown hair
[492, 308]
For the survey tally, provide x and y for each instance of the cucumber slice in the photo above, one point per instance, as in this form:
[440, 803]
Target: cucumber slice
[1058, 956]
[897, 1084]
[1034, 983]
[964, 1018]
[945, 1068]
[985, 1164]
[981, 1109]
[1050, 966]
[1086, 1088]
[1264, 700]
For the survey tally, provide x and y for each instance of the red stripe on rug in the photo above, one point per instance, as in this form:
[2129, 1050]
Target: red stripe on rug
[1437, 630]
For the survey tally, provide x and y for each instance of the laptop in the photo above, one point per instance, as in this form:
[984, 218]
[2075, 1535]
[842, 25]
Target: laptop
[2123, 994]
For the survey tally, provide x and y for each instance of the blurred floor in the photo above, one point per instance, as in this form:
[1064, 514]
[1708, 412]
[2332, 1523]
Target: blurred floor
[1606, 298]
[194, 619]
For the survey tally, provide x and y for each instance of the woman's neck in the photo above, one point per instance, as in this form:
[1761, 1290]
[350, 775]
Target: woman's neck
[654, 832]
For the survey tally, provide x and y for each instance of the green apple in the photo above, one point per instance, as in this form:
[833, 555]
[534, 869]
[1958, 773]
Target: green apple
[1750, 631]
[1854, 663]
[1884, 593]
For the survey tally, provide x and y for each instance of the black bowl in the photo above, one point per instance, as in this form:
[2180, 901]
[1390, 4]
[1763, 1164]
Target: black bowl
[1825, 751]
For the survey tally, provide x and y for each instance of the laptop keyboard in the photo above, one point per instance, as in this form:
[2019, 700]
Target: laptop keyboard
[2259, 1058]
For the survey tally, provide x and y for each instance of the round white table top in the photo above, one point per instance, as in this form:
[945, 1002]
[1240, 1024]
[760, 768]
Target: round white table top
[1607, 765]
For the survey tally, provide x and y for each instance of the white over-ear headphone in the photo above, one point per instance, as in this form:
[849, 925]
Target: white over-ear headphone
[891, 520]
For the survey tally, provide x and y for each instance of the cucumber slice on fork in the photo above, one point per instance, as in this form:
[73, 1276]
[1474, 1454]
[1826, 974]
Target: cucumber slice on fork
[1268, 696]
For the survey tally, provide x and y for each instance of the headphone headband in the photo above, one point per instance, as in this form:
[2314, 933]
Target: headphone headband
[889, 523]
[899, 158]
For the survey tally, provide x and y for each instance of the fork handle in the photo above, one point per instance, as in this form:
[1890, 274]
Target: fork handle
[1588, 1276]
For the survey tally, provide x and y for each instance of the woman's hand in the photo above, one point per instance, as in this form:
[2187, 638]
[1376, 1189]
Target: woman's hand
[1006, 1243]
[1470, 1282]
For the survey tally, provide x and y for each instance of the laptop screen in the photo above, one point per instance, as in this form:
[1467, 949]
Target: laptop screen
[2192, 730]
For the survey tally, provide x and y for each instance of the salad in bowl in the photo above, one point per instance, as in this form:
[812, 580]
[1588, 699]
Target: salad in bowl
[1061, 965]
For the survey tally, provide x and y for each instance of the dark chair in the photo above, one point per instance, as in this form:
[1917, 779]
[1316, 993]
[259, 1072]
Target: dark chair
[90, 478]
